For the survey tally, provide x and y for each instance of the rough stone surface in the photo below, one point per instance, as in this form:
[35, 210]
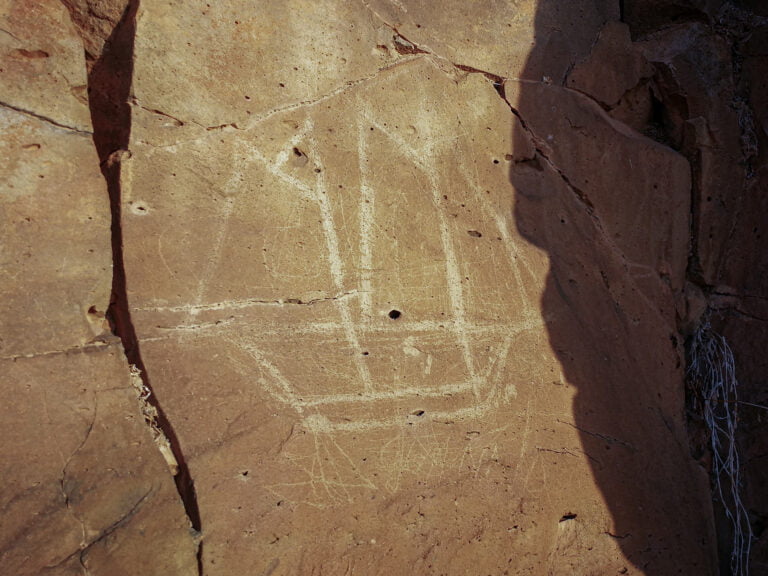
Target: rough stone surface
[740, 297]
[37, 48]
[511, 39]
[96, 21]
[613, 67]
[388, 342]
[645, 16]
[410, 287]
[55, 232]
[84, 488]
[711, 79]
[701, 117]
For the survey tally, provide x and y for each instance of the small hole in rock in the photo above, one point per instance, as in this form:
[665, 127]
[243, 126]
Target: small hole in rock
[418, 412]
[495, 161]
[394, 314]
[365, 353]
[569, 516]
[475, 233]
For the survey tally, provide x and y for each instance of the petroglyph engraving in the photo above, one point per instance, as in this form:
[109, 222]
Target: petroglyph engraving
[412, 308]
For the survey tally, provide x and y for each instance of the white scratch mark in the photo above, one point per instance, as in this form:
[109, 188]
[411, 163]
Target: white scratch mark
[367, 199]
[336, 263]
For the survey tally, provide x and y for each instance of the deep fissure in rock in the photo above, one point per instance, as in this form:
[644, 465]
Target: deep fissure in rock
[110, 73]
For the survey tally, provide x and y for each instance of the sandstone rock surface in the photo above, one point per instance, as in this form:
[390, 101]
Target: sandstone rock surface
[335, 274]
[84, 488]
[408, 287]
[49, 199]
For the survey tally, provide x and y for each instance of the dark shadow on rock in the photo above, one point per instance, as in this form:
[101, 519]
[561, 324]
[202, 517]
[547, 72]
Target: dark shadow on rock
[605, 203]
[108, 31]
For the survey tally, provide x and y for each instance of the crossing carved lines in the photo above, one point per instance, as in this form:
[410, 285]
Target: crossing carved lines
[326, 465]
[335, 260]
[514, 257]
[457, 364]
[215, 258]
[451, 262]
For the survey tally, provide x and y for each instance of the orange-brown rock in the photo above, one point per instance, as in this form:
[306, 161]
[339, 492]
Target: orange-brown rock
[84, 488]
[344, 303]
[401, 288]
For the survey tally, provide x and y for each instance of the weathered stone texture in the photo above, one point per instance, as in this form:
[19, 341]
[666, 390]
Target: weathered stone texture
[37, 49]
[696, 83]
[84, 489]
[610, 207]
[55, 232]
[55, 236]
[613, 66]
[711, 80]
[407, 281]
[511, 39]
[741, 296]
[96, 21]
[378, 354]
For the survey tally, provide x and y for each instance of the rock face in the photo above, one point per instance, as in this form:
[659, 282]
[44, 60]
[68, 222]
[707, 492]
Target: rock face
[84, 487]
[405, 285]
[327, 263]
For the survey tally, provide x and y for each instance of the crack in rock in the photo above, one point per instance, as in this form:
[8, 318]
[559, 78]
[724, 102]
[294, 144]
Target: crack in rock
[97, 344]
[82, 552]
[63, 482]
[109, 86]
[46, 119]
